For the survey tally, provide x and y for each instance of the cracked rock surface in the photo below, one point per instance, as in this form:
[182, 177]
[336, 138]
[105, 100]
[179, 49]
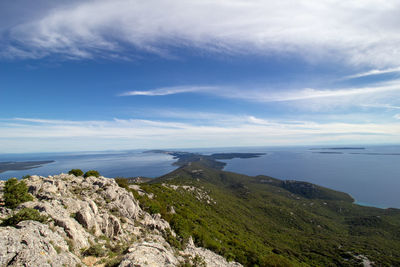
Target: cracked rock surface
[87, 212]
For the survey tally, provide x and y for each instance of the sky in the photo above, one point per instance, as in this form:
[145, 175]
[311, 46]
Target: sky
[130, 74]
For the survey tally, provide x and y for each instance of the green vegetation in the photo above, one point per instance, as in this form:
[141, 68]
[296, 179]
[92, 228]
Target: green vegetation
[196, 261]
[95, 250]
[210, 161]
[114, 262]
[122, 182]
[15, 193]
[262, 221]
[24, 215]
[76, 172]
[91, 173]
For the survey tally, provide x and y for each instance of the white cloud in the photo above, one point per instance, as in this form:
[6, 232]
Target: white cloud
[373, 72]
[397, 116]
[169, 91]
[365, 96]
[136, 133]
[385, 106]
[309, 93]
[44, 121]
[359, 32]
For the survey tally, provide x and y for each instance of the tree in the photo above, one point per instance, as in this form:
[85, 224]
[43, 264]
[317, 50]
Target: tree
[91, 173]
[24, 215]
[76, 172]
[15, 193]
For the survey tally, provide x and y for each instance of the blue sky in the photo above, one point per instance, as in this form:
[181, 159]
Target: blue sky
[126, 74]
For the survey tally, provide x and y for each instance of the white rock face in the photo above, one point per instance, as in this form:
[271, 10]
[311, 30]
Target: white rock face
[87, 211]
[34, 244]
[155, 252]
[209, 257]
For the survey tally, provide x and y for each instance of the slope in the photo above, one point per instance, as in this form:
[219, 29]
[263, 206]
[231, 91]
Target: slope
[268, 222]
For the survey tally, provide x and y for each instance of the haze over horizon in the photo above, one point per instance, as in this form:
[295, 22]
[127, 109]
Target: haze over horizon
[128, 74]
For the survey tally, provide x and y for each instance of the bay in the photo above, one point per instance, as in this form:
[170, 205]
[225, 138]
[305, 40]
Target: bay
[370, 175]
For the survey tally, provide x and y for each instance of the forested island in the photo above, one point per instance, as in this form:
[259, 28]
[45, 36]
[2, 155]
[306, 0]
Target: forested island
[22, 165]
[184, 158]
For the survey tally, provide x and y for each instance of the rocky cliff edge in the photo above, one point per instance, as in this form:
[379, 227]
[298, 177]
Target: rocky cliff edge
[92, 222]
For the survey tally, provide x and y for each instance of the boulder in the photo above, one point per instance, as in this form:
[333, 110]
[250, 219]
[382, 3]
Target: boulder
[109, 225]
[62, 218]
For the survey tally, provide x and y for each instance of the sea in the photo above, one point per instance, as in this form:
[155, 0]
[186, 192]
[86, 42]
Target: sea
[370, 174]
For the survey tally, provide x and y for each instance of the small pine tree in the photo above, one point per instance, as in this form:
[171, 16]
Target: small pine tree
[91, 173]
[24, 215]
[76, 172]
[15, 193]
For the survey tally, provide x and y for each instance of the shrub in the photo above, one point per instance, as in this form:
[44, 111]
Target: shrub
[91, 173]
[24, 215]
[154, 208]
[199, 261]
[76, 172]
[122, 182]
[15, 193]
[114, 262]
[95, 250]
[172, 240]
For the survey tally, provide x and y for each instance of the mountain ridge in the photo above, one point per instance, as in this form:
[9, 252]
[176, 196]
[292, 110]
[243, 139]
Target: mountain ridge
[293, 218]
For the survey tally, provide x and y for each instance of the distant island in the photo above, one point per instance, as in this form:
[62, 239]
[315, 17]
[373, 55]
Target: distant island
[184, 158]
[328, 152]
[338, 148]
[374, 154]
[22, 165]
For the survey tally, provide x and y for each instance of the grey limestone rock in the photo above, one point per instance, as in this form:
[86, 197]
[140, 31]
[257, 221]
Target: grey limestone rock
[155, 252]
[34, 244]
[87, 211]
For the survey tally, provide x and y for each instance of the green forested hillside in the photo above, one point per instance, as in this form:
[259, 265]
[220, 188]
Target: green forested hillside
[268, 222]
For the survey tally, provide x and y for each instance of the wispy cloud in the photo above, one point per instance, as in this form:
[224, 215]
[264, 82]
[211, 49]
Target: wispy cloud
[169, 91]
[45, 121]
[373, 72]
[316, 30]
[309, 93]
[385, 106]
[363, 96]
[138, 133]
[397, 116]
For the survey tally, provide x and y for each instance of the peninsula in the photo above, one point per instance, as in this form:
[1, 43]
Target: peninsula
[211, 161]
[22, 165]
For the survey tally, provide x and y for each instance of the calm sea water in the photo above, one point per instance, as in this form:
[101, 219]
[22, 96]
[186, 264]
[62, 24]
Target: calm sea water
[109, 164]
[372, 178]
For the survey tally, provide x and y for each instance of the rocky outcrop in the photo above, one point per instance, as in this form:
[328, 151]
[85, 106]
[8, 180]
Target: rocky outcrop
[199, 193]
[209, 257]
[153, 251]
[34, 244]
[90, 212]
